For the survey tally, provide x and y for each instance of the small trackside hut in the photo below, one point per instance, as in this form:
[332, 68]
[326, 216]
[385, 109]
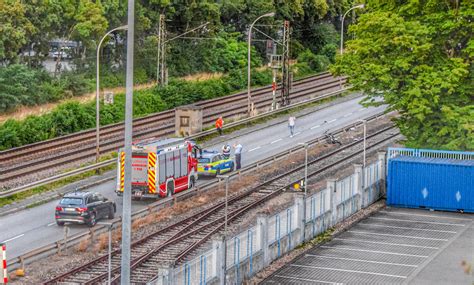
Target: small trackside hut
[160, 168]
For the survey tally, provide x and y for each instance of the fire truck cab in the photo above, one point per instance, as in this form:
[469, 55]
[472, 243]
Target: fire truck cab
[160, 168]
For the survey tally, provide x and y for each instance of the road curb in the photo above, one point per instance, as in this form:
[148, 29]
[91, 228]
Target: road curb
[54, 194]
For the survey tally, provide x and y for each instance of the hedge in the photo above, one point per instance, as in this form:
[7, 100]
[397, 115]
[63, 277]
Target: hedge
[72, 116]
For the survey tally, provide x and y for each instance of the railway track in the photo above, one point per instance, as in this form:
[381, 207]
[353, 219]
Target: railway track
[29, 160]
[174, 243]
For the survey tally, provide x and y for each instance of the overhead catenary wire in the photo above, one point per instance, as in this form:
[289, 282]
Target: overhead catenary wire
[280, 43]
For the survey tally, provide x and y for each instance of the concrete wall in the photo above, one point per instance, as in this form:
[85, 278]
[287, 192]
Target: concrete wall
[241, 257]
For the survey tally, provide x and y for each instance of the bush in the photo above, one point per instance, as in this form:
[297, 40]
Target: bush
[329, 51]
[21, 85]
[315, 63]
[72, 117]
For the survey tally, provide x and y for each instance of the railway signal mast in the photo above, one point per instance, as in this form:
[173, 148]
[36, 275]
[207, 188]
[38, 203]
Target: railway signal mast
[286, 75]
[161, 61]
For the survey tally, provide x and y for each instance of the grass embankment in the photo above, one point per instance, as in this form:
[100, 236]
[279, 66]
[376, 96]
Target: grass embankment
[201, 140]
[73, 116]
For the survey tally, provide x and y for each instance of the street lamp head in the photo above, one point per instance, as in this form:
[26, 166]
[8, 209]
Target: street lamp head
[361, 6]
[124, 27]
[271, 14]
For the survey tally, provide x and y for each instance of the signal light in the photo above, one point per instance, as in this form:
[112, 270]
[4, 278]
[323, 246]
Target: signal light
[59, 208]
[81, 210]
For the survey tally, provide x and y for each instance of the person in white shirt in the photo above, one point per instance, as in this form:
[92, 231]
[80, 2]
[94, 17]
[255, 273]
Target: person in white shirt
[291, 125]
[226, 151]
[238, 155]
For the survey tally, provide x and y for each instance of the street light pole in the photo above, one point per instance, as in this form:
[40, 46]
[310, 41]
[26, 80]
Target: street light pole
[365, 137]
[361, 6]
[226, 177]
[249, 98]
[97, 101]
[305, 181]
[109, 225]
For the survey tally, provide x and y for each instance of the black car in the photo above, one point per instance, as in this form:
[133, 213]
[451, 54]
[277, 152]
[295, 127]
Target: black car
[84, 208]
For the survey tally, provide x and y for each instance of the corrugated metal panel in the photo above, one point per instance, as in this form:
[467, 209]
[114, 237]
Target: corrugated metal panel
[433, 183]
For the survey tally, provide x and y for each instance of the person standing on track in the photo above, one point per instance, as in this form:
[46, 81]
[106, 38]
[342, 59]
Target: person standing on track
[219, 125]
[238, 155]
[291, 125]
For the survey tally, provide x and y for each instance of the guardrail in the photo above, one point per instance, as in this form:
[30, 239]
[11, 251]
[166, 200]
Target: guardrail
[62, 245]
[7, 193]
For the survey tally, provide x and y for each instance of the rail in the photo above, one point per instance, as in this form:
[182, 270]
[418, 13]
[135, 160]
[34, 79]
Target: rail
[59, 246]
[210, 102]
[19, 189]
[277, 184]
[145, 128]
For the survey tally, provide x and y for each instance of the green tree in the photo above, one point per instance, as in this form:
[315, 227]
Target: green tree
[417, 56]
[15, 28]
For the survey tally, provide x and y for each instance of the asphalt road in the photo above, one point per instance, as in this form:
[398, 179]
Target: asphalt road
[28, 229]
[393, 246]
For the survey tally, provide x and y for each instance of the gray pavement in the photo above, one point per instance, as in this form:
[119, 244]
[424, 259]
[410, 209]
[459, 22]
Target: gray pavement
[35, 227]
[394, 246]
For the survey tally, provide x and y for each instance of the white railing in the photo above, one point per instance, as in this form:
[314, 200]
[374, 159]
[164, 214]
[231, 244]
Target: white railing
[254, 248]
[197, 271]
[243, 246]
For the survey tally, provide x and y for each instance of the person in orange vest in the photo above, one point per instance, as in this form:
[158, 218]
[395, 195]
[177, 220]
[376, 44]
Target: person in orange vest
[219, 125]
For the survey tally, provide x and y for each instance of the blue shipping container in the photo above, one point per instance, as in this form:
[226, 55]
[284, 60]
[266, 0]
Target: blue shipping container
[432, 183]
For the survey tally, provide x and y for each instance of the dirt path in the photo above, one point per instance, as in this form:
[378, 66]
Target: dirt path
[25, 111]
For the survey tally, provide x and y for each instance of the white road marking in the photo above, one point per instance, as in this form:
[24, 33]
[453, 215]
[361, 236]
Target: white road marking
[407, 228]
[333, 120]
[373, 251]
[418, 221]
[53, 223]
[275, 141]
[363, 260]
[254, 149]
[304, 279]
[13, 238]
[297, 134]
[315, 127]
[352, 271]
[347, 115]
[395, 235]
[388, 243]
[421, 215]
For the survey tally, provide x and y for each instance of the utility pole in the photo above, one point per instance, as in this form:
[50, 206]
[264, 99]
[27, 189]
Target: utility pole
[286, 80]
[127, 192]
[160, 61]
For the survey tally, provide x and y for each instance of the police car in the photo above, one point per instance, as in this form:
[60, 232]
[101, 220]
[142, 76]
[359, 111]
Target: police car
[213, 163]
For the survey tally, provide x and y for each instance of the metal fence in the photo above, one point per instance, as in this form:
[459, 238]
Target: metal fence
[346, 200]
[243, 246]
[197, 271]
[282, 224]
[252, 249]
[317, 205]
[458, 155]
[371, 183]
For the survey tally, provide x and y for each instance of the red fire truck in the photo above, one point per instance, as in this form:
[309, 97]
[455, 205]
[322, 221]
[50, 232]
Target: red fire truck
[160, 168]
